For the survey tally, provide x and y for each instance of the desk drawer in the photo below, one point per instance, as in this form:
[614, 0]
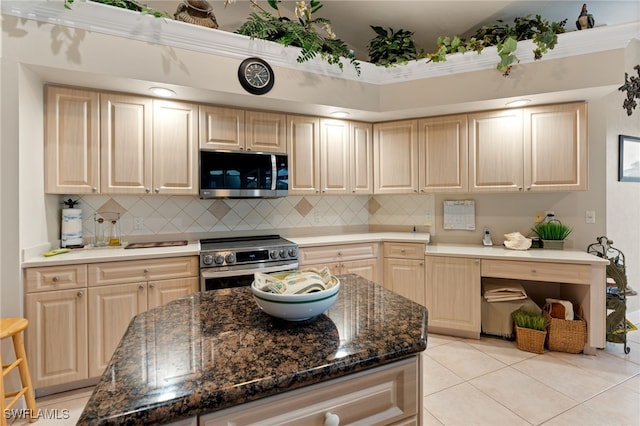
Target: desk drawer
[404, 250]
[537, 271]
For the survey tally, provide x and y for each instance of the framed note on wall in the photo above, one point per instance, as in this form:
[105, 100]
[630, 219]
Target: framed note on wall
[628, 159]
[460, 214]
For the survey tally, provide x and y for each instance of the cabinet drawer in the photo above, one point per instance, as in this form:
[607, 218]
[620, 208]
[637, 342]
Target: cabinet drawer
[537, 271]
[404, 250]
[382, 396]
[337, 253]
[142, 270]
[55, 278]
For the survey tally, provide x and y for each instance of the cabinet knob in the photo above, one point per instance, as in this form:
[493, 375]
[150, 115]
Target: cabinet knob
[157, 190]
[248, 149]
[80, 293]
[353, 191]
[519, 188]
[331, 419]
[421, 263]
[402, 250]
[94, 189]
[146, 270]
[415, 190]
[533, 271]
[528, 188]
[147, 190]
[339, 253]
[477, 261]
[141, 286]
[55, 279]
[152, 285]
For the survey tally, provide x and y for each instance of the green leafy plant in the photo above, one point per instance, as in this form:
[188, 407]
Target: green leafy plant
[391, 48]
[127, 4]
[552, 230]
[505, 37]
[302, 32]
[526, 319]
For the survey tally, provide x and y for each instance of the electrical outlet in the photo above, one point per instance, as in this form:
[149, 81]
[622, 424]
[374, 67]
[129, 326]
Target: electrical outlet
[138, 223]
[428, 218]
[590, 216]
[316, 217]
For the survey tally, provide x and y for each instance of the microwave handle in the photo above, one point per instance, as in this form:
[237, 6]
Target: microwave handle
[274, 172]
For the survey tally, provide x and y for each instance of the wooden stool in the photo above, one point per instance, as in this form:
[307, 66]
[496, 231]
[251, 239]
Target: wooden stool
[13, 327]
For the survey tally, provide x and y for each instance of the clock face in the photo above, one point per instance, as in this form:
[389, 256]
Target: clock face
[256, 76]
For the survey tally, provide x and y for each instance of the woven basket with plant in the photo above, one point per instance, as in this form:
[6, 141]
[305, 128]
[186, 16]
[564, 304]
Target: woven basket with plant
[531, 331]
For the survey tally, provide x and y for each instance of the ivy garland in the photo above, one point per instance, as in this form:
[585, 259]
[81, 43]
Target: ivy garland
[505, 37]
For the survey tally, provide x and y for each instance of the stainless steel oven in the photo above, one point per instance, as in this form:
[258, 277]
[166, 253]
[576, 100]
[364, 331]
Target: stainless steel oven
[231, 262]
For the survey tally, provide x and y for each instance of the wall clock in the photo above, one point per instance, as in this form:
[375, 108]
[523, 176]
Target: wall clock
[256, 76]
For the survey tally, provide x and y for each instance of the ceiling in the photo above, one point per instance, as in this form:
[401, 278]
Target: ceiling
[428, 19]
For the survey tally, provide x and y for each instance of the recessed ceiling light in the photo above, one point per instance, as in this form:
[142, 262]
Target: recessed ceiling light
[339, 114]
[162, 91]
[518, 103]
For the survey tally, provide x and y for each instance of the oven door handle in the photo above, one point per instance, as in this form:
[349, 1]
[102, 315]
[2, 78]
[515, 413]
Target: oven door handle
[211, 273]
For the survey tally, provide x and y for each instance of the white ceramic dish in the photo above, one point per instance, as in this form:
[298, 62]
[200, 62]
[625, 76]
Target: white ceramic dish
[296, 307]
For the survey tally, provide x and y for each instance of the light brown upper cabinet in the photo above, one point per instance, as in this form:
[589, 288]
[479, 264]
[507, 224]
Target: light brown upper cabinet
[555, 148]
[395, 157]
[335, 159]
[442, 151]
[72, 141]
[532, 149]
[175, 153]
[126, 144]
[240, 130]
[496, 151]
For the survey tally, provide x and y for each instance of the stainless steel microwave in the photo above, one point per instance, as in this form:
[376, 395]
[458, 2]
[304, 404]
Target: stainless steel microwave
[230, 174]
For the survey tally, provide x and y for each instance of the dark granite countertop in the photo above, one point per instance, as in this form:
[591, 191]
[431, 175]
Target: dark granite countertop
[217, 349]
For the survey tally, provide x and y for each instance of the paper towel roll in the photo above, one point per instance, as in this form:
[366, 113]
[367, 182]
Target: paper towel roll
[71, 234]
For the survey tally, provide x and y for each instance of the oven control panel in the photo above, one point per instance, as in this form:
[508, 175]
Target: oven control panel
[238, 257]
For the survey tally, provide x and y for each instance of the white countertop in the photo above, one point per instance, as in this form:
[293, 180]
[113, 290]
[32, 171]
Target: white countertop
[111, 254]
[410, 237]
[501, 252]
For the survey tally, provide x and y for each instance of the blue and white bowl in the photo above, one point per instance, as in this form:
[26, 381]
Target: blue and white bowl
[297, 307]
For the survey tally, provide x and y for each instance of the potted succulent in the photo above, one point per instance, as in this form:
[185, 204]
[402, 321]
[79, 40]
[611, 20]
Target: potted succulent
[552, 234]
[531, 330]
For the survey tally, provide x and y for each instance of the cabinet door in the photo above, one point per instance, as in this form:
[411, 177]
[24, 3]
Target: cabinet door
[111, 308]
[221, 128]
[555, 142]
[367, 268]
[57, 336]
[361, 163]
[496, 151]
[453, 295]
[443, 154]
[72, 141]
[126, 144]
[334, 157]
[175, 148]
[405, 277]
[303, 146]
[395, 157]
[265, 131]
[162, 292]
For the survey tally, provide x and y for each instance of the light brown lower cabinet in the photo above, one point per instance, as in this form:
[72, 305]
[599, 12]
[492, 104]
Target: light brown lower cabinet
[56, 339]
[453, 295]
[359, 258]
[404, 269]
[79, 313]
[387, 395]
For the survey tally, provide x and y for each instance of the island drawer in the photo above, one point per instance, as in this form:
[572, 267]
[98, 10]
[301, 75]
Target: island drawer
[61, 277]
[404, 250]
[128, 271]
[337, 253]
[384, 395]
[537, 271]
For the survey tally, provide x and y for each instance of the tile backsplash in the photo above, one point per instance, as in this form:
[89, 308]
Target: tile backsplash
[158, 215]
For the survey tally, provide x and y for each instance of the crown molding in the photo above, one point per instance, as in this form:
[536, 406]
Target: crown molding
[100, 18]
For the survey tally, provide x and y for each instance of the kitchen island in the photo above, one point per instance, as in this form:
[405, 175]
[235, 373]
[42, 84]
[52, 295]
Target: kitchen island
[213, 351]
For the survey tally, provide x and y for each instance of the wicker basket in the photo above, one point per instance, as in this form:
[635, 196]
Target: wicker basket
[566, 335]
[530, 340]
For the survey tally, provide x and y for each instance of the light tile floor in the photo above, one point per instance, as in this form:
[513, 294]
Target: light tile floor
[490, 382]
